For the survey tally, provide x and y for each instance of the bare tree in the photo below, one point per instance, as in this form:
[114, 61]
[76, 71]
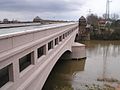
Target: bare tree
[93, 20]
[105, 16]
[114, 16]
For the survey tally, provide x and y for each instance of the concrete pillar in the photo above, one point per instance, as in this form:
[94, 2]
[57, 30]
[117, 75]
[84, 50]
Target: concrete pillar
[78, 51]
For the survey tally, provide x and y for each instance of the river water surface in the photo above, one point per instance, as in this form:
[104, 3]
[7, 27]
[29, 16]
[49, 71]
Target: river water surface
[99, 71]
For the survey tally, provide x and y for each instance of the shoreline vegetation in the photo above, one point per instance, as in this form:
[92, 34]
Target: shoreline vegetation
[113, 36]
[111, 33]
[104, 29]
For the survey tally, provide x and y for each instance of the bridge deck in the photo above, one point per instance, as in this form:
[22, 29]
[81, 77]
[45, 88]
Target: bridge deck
[18, 30]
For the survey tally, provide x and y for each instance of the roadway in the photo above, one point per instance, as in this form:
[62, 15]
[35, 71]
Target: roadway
[9, 31]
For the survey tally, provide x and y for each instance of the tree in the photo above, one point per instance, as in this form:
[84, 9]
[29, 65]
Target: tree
[93, 20]
[114, 16]
[105, 16]
[5, 20]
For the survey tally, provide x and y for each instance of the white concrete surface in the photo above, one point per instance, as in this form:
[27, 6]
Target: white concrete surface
[78, 51]
[11, 31]
[17, 45]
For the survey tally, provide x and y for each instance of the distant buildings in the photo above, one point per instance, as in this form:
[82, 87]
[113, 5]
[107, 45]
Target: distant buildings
[102, 24]
[14, 21]
[37, 19]
[5, 21]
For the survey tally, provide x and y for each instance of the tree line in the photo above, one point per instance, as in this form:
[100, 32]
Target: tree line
[103, 29]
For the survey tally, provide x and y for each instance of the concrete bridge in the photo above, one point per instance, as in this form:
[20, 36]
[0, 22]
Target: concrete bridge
[27, 57]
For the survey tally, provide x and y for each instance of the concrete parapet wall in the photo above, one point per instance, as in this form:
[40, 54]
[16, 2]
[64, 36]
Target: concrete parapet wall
[16, 42]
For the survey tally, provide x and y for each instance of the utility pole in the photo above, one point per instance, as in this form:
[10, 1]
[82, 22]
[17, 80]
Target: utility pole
[108, 13]
[108, 10]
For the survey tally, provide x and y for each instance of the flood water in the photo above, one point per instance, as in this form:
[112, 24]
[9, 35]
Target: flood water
[99, 71]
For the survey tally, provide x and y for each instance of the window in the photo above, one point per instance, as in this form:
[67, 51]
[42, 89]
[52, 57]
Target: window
[63, 36]
[68, 33]
[41, 51]
[50, 45]
[56, 41]
[25, 61]
[5, 75]
[60, 38]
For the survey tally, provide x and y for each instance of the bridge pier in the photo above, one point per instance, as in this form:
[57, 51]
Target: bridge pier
[78, 51]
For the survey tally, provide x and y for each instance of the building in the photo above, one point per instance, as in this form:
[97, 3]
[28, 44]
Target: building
[102, 24]
[37, 19]
[5, 21]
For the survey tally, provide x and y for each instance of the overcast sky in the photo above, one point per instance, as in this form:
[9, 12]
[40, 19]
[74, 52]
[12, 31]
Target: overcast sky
[54, 9]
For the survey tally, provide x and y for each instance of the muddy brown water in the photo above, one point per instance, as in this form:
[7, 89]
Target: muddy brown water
[99, 71]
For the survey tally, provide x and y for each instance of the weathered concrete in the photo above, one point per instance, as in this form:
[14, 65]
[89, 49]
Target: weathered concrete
[15, 46]
[78, 51]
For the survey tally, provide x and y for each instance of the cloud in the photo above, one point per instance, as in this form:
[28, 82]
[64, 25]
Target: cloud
[49, 9]
[40, 5]
[60, 9]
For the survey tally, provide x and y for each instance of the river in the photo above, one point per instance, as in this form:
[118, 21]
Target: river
[99, 71]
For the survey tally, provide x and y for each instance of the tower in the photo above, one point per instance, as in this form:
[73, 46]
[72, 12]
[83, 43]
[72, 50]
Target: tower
[82, 28]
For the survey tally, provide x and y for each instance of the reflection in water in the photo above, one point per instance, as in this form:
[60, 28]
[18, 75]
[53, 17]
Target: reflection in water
[63, 73]
[99, 71]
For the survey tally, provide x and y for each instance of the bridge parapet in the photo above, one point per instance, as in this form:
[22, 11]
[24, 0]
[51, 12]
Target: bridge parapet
[24, 53]
[30, 38]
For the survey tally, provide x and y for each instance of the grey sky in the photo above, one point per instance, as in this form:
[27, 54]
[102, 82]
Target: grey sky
[53, 9]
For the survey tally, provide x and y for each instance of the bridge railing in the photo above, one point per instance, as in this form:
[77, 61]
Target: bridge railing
[19, 53]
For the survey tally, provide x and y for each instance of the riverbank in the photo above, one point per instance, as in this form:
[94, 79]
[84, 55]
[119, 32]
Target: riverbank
[113, 36]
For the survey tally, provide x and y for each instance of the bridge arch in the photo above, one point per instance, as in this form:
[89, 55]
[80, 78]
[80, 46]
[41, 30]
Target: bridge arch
[66, 55]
